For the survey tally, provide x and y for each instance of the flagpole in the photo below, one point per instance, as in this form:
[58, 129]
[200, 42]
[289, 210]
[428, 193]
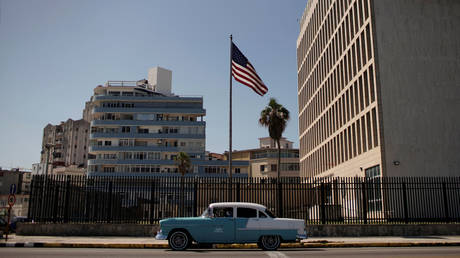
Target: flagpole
[230, 123]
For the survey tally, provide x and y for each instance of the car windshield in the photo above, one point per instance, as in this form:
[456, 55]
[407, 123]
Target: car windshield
[269, 213]
[206, 213]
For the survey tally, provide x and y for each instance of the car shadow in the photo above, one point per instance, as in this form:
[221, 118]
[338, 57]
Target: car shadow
[246, 250]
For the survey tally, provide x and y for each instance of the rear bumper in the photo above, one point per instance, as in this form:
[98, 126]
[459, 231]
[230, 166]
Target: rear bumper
[160, 236]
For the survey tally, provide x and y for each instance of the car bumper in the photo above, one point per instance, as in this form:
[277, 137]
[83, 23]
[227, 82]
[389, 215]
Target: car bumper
[302, 236]
[160, 236]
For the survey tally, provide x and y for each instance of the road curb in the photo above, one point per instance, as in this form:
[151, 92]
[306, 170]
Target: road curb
[231, 246]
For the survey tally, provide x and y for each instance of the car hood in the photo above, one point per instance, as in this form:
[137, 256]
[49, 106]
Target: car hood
[184, 220]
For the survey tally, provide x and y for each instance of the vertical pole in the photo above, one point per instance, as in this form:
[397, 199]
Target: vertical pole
[323, 202]
[406, 214]
[109, 209]
[446, 207]
[67, 200]
[195, 198]
[152, 189]
[230, 125]
[364, 204]
[280, 197]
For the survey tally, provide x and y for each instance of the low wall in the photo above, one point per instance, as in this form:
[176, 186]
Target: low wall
[383, 230]
[38, 229]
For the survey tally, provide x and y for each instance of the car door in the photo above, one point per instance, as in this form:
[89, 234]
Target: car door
[220, 228]
[246, 225]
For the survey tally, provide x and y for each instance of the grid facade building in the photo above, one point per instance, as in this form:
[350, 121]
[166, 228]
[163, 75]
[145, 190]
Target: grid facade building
[356, 108]
[139, 127]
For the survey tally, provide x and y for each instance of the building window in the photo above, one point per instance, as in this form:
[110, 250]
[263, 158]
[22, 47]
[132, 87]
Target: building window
[373, 185]
[107, 143]
[262, 168]
[125, 129]
[273, 167]
[237, 170]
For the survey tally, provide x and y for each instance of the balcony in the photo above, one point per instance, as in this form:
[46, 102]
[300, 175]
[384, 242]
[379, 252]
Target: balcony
[133, 148]
[146, 136]
[195, 111]
[153, 97]
[147, 122]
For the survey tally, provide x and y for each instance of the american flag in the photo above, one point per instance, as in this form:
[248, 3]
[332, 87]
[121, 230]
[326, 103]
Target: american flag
[244, 72]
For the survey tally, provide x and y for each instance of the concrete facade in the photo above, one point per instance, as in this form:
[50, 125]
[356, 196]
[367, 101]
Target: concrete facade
[378, 88]
[68, 143]
[136, 130]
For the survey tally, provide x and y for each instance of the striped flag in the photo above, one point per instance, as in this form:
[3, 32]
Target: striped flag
[244, 72]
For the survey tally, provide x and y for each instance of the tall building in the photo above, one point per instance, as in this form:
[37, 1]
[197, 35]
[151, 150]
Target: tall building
[378, 88]
[65, 144]
[139, 127]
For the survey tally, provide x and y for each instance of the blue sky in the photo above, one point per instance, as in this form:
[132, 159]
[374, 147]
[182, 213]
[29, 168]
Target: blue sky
[54, 53]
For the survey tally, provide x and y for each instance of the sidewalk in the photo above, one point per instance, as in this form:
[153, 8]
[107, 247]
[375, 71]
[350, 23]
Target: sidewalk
[150, 242]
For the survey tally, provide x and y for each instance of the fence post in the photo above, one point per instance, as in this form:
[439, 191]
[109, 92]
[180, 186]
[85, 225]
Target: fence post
[56, 202]
[406, 213]
[364, 201]
[67, 199]
[446, 207]
[323, 204]
[280, 199]
[195, 198]
[152, 189]
[109, 209]
[31, 197]
[237, 191]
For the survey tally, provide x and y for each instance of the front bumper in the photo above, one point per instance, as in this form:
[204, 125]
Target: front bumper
[160, 236]
[302, 236]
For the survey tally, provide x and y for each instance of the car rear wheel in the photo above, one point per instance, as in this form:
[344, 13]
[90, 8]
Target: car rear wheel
[270, 243]
[179, 241]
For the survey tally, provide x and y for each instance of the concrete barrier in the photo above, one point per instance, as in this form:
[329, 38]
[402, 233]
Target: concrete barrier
[40, 229]
[383, 230]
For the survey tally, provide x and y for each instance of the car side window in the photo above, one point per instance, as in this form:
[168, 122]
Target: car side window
[223, 212]
[262, 215]
[246, 213]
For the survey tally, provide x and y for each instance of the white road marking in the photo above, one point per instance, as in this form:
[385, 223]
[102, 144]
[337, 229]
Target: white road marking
[276, 254]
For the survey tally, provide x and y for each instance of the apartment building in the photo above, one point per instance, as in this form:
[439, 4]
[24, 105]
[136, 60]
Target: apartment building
[263, 161]
[138, 128]
[378, 88]
[65, 144]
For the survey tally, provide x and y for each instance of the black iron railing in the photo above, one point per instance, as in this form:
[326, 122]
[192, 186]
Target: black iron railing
[79, 199]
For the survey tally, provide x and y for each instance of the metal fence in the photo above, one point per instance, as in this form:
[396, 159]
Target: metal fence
[80, 199]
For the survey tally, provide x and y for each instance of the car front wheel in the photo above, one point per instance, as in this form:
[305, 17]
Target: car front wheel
[179, 241]
[270, 243]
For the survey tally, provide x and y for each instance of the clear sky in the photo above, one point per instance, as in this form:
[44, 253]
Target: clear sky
[54, 53]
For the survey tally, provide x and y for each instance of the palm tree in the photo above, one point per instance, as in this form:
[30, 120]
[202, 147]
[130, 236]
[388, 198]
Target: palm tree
[275, 117]
[183, 165]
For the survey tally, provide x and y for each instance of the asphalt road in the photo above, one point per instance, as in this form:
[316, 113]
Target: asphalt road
[282, 253]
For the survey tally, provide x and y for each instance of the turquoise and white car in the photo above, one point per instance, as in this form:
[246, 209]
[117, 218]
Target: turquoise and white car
[232, 222]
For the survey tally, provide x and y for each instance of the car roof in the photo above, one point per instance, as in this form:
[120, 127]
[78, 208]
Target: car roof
[238, 204]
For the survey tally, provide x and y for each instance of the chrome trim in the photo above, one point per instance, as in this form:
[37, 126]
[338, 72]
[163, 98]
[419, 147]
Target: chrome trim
[160, 236]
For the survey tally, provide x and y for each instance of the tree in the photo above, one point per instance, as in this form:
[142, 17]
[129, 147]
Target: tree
[183, 163]
[275, 117]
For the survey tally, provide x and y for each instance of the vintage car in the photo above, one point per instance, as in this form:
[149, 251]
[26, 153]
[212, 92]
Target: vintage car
[232, 222]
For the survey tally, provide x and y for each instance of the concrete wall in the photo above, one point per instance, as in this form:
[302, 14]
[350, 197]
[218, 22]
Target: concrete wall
[418, 63]
[383, 230]
[37, 229]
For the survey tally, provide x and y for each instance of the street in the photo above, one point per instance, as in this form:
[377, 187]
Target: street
[282, 253]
